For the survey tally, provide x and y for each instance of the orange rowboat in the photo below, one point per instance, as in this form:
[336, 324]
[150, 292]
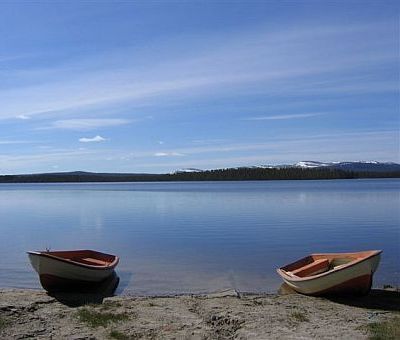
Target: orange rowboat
[338, 273]
[59, 270]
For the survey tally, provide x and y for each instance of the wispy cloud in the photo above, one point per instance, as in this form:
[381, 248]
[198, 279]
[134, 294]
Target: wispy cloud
[88, 124]
[376, 145]
[40, 162]
[196, 90]
[285, 117]
[209, 141]
[229, 65]
[7, 58]
[390, 138]
[95, 139]
[7, 142]
[23, 117]
[168, 154]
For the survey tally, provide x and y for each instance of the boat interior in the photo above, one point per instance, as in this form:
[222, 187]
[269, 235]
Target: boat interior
[320, 263]
[88, 257]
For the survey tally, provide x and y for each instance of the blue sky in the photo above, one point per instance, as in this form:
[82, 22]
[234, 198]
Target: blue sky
[112, 86]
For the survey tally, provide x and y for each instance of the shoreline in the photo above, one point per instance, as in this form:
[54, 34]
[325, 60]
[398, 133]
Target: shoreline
[228, 314]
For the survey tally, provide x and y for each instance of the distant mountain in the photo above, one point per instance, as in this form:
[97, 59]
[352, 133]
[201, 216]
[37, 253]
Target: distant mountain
[89, 174]
[78, 176]
[360, 166]
[312, 164]
[186, 170]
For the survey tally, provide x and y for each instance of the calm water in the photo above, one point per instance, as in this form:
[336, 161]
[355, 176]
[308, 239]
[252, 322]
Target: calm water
[200, 236]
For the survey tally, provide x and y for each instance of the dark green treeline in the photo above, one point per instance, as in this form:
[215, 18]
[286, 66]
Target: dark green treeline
[230, 174]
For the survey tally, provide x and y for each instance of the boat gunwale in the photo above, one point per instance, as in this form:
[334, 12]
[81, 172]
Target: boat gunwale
[346, 266]
[112, 265]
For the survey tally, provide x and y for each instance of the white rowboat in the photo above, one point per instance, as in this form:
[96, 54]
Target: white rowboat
[59, 270]
[336, 273]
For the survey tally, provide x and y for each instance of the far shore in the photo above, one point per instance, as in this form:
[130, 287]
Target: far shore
[222, 315]
[350, 171]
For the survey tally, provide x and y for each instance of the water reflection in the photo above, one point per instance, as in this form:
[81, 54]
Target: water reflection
[196, 237]
[126, 281]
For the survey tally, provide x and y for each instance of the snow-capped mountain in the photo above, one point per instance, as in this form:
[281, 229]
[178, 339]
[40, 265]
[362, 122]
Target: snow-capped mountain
[351, 166]
[179, 171]
[312, 164]
[358, 166]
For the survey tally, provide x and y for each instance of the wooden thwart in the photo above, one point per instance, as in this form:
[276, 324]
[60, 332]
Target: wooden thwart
[95, 262]
[315, 267]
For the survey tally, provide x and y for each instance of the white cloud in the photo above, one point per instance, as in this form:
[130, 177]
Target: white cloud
[285, 117]
[92, 140]
[24, 117]
[88, 124]
[168, 154]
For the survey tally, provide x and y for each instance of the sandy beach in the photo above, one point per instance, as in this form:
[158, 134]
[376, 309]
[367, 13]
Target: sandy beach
[33, 314]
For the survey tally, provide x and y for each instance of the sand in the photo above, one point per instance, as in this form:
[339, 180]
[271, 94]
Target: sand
[33, 314]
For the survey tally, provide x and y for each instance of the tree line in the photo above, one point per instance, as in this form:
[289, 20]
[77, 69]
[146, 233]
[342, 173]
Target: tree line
[229, 174]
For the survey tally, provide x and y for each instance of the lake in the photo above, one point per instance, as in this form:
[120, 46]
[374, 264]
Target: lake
[198, 237]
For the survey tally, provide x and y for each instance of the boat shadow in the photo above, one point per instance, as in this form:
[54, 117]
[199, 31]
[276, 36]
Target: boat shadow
[381, 299]
[93, 294]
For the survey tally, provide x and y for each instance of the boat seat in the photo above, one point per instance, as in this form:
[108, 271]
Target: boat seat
[93, 262]
[314, 268]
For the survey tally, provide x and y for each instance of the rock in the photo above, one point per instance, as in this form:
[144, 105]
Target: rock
[223, 293]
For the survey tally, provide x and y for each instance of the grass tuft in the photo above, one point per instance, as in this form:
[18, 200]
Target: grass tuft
[110, 305]
[385, 330]
[3, 323]
[119, 335]
[299, 316]
[96, 319]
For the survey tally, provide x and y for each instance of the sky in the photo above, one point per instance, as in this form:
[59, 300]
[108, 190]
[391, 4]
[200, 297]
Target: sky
[156, 86]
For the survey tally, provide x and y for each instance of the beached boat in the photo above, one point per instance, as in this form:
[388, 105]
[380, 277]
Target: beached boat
[66, 270]
[340, 273]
